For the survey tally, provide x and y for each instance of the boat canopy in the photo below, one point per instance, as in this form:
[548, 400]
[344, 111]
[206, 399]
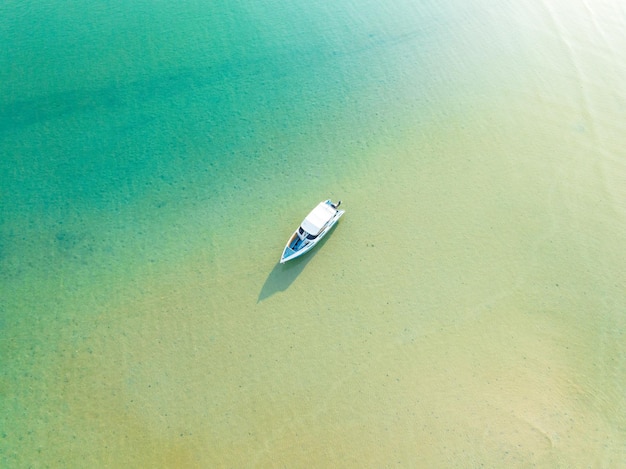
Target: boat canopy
[319, 216]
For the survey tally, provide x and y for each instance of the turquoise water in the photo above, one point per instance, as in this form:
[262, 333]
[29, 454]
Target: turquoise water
[468, 309]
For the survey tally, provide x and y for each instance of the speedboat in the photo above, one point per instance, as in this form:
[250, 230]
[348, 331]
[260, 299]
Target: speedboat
[314, 227]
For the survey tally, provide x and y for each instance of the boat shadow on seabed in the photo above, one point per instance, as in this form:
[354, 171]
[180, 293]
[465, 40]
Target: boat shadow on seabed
[283, 275]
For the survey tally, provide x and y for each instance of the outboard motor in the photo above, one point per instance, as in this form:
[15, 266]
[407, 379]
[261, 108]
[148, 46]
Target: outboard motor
[336, 205]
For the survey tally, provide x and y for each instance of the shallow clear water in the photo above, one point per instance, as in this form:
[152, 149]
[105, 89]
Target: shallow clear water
[469, 309]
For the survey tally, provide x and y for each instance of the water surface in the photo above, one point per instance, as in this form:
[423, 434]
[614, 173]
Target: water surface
[467, 310]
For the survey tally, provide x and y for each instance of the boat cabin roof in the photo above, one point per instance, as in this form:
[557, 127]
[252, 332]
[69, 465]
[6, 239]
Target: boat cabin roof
[319, 216]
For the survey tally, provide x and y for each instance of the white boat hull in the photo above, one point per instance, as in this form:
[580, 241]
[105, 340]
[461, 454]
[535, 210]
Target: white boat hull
[302, 241]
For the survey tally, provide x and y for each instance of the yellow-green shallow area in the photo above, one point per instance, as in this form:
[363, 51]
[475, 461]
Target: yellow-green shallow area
[468, 310]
